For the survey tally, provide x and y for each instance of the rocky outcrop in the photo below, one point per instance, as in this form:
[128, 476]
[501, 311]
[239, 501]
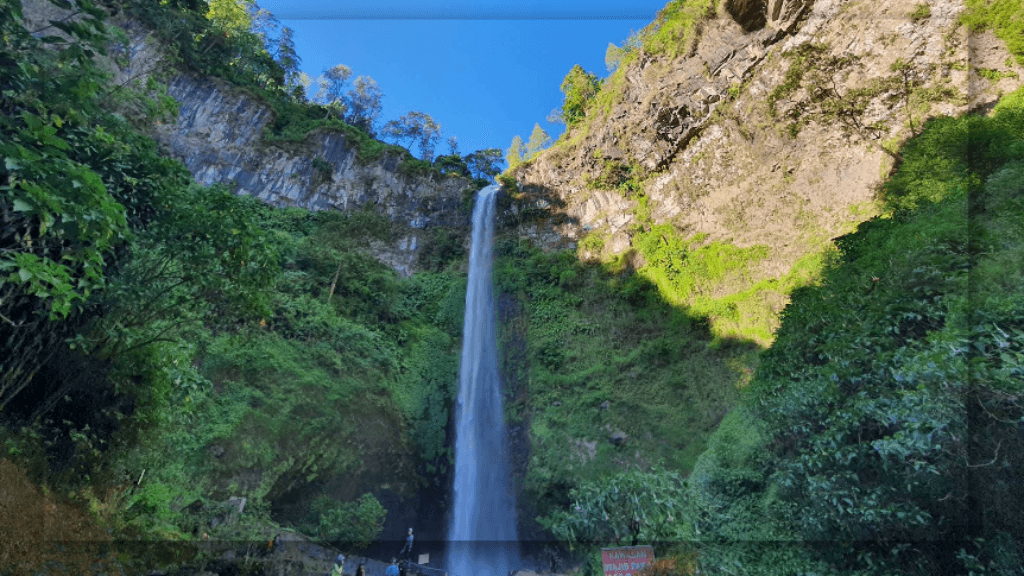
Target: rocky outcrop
[713, 138]
[219, 132]
[219, 137]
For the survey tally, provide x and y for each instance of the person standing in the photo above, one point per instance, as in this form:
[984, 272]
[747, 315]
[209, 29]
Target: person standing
[339, 566]
[407, 549]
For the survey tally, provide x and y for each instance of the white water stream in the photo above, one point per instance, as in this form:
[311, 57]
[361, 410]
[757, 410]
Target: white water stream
[482, 539]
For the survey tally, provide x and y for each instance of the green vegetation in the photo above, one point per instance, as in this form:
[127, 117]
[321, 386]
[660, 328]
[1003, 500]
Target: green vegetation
[355, 524]
[538, 141]
[626, 178]
[995, 75]
[676, 29]
[167, 346]
[579, 86]
[855, 424]
[849, 452]
[1001, 16]
[713, 280]
[921, 12]
[590, 351]
[622, 508]
[674, 32]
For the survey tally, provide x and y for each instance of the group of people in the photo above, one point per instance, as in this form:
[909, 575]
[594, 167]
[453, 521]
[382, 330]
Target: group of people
[393, 569]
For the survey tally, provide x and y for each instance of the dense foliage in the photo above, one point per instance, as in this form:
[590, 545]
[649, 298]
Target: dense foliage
[353, 524]
[599, 368]
[578, 87]
[881, 432]
[161, 340]
[885, 416]
[165, 346]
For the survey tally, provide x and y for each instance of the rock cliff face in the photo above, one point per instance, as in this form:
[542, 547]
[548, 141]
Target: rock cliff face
[723, 146]
[218, 135]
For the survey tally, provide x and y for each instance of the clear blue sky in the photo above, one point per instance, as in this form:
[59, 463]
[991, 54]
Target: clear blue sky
[485, 70]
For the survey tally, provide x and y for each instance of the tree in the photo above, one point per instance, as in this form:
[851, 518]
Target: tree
[363, 103]
[555, 117]
[515, 152]
[278, 42]
[330, 89]
[484, 163]
[417, 128]
[579, 87]
[61, 224]
[233, 16]
[288, 57]
[263, 24]
[429, 134]
[453, 146]
[452, 164]
[303, 82]
[613, 57]
[539, 140]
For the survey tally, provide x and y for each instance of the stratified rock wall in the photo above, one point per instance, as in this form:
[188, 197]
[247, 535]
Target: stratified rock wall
[218, 135]
[715, 158]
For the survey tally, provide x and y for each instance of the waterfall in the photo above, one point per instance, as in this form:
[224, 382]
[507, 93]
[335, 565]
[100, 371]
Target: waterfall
[482, 538]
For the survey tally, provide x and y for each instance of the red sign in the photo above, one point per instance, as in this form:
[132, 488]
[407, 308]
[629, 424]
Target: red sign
[626, 561]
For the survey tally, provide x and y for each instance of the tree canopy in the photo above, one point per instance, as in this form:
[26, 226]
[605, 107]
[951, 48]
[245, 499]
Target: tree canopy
[415, 128]
[578, 87]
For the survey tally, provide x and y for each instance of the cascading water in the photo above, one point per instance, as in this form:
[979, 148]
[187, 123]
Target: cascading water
[482, 538]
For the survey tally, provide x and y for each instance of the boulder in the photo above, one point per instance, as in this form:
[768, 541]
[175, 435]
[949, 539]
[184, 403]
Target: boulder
[618, 438]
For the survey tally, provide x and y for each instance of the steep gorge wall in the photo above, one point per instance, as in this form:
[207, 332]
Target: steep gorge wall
[219, 137]
[716, 160]
[219, 132]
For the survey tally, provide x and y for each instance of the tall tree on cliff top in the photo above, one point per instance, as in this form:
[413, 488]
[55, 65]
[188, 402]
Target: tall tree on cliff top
[331, 89]
[233, 16]
[416, 128]
[514, 154]
[579, 86]
[279, 43]
[364, 104]
[539, 140]
[484, 163]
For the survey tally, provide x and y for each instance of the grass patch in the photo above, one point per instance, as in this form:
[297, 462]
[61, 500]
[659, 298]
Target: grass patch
[921, 12]
[1004, 17]
[677, 27]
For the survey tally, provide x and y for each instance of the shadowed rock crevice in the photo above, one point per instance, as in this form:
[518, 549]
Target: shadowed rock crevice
[750, 14]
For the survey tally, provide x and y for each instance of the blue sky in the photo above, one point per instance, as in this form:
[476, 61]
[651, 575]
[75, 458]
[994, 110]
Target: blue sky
[485, 70]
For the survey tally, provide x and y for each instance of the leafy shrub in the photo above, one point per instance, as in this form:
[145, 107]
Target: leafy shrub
[354, 525]
[921, 12]
[624, 508]
[1004, 17]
